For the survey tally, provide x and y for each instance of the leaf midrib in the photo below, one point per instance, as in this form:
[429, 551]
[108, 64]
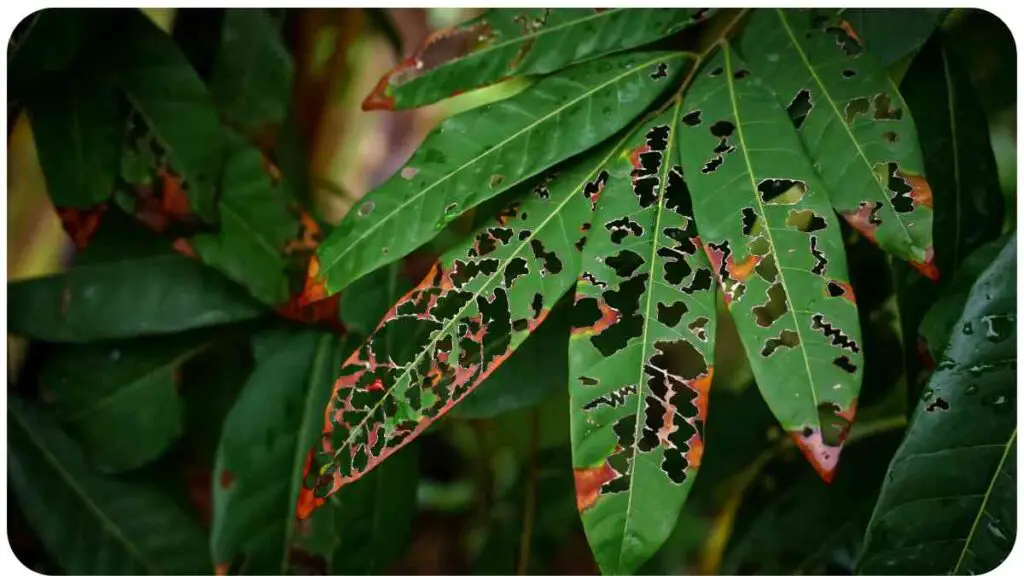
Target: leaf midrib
[486, 285]
[828, 97]
[112, 528]
[984, 502]
[950, 107]
[642, 386]
[768, 233]
[356, 242]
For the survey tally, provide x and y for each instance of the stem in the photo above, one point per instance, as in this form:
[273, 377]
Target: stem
[874, 427]
[531, 495]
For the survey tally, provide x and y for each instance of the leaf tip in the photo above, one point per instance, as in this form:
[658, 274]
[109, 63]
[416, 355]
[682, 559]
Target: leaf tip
[821, 456]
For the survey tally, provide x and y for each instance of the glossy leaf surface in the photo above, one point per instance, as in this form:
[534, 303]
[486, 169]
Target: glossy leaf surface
[506, 42]
[641, 351]
[127, 283]
[161, 85]
[78, 125]
[124, 527]
[107, 392]
[264, 445]
[475, 307]
[853, 123]
[483, 152]
[766, 225]
[948, 502]
[894, 33]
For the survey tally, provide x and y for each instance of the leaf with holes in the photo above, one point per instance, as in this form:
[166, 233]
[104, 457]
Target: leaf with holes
[476, 306]
[175, 106]
[252, 73]
[641, 351]
[257, 228]
[775, 245]
[128, 283]
[503, 42]
[106, 392]
[120, 527]
[268, 431]
[853, 123]
[479, 154]
[947, 505]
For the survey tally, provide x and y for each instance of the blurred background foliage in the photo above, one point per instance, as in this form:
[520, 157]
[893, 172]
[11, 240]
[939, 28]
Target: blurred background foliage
[495, 491]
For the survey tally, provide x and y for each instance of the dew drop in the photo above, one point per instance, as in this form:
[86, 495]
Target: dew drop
[115, 355]
[928, 393]
[773, 57]
[449, 209]
[971, 390]
[996, 531]
[968, 328]
[366, 208]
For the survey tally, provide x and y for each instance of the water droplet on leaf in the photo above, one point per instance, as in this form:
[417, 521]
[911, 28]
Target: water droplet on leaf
[971, 390]
[968, 328]
[366, 208]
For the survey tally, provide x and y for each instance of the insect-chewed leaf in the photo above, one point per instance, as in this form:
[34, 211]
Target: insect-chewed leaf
[128, 283]
[947, 505]
[121, 527]
[475, 307]
[479, 154]
[510, 42]
[641, 351]
[171, 98]
[853, 123]
[777, 251]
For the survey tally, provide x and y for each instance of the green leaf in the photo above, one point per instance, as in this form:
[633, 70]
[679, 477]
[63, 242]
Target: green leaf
[162, 87]
[947, 505]
[251, 81]
[264, 447]
[938, 322]
[892, 34]
[78, 127]
[853, 123]
[536, 371]
[88, 522]
[127, 283]
[479, 154]
[641, 351]
[107, 392]
[476, 306]
[506, 42]
[255, 227]
[766, 225]
[792, 523]
[370, 523]
[962, 170]
[46, 43]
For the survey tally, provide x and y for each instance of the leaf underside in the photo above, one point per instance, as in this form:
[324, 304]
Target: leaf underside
[948, 502]
[640, 352]
[853, 123]
[777, 250]
[475, 307]
[481, 153]
[503, 43]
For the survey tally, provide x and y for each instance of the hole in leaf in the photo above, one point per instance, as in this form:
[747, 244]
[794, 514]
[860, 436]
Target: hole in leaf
[938, 404]
[820, 261]
[712, 165]
[890, 137]
[766, 268]
[516, 267]
[623, 227]
[836, 336]
[855, 108]
[845, 364]
[884, 109]
[774, 308]
[627, 301]
[902, 201]
[699, 328]
[715, 72]
[741, 74]
[799, 107]
[551, 263]
[781, 191]
[660, 72]
[625, 263]
[847, 73]
[749, 218]
[722, 129]
[786, 339]
[805, 221]
[671, 315]
[692, 119]
[846, 42]
[677, 194]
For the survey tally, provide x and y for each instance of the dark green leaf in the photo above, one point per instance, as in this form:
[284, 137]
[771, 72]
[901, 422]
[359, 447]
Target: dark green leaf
[264, 447]
[853, 123]
[251, 82]
[112, 391]
[127, 283]
[46, 43]
[78, 128]
[476, 306]
[767, 227]
[368, 299]
[537, 370]
[479, 154]
[894, 33]
[641, 351]
[948, 502]
[255, 227]
[177, 109]
[212, 382]
[92, 523]
[512, 42]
